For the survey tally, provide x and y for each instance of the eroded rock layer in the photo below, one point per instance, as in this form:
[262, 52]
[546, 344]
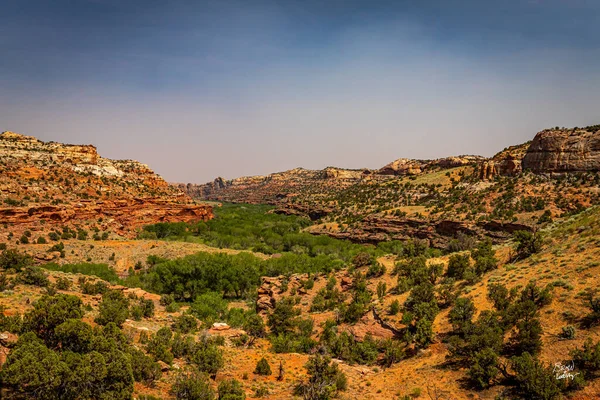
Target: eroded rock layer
[43, 184]
[564, 150]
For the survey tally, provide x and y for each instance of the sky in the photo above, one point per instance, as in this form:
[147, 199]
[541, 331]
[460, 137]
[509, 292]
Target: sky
[200, 89]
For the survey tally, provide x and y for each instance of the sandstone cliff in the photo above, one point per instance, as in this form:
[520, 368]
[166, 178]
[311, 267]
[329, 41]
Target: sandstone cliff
[564, 150]
[277, 187]
[43, 184]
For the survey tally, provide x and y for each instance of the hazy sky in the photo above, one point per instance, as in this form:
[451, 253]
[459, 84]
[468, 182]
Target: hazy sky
[200, 89]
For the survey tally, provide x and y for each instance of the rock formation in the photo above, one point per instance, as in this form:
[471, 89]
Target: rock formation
[437, 233]
[564, 150]
[46, 184]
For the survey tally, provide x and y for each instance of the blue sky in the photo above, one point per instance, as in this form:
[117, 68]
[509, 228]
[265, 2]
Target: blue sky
[199, 89]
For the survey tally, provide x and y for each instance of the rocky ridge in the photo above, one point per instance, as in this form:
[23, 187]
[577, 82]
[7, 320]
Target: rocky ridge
[44, 184]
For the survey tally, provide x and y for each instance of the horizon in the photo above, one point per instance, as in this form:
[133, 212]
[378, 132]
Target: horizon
[200, 90]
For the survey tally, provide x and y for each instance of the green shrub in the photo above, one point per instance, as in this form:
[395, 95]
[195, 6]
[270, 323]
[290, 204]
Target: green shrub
[263, 367]
[185, 324]
[192, 385]
[33, 276]
[15, 260]
[114, 307]
[231, 389]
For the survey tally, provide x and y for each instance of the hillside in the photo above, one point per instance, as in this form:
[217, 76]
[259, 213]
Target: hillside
[519, 188]
[461, 279]
[51, 186]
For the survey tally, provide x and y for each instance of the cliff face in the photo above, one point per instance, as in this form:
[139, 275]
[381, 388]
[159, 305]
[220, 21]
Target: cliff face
[47, 184]
[565, 150]
[277, 187]
[406, 166]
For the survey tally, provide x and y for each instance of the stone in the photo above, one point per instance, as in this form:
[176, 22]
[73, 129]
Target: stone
[564, 150]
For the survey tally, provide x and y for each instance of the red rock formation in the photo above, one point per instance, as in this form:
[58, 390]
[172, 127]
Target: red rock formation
[45, 184]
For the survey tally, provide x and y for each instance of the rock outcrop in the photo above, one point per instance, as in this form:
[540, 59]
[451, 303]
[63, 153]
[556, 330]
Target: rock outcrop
[278, 187]
[407, 167]
[44, 184]
[564, 150]
[437, 233]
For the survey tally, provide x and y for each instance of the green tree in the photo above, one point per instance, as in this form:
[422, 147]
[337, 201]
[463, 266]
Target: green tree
[324, 379]
[458, 266]
[208, 357]
[254, 327]
[74, 335]
[192, 385]
[262, 367]
[283, 319]
[461, 315]
[231, 389]
[49, 312]
[528, 243]
[484, 368]
[534, 380]
[113, 308]
[33, 370]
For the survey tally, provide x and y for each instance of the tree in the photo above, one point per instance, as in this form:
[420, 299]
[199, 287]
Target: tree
[534, 380]
[484, 256]
[160, 344]
[499, 296]
[13, 259]
[192, 385]
[484, 368]
[185, 323]
[528, 243]
[34, 370]
[143, 367]
[283, 318]
[392, 352]
[49, 312]
[588, 358]
[458, 266]
[113, 308]
[324, 381]
[461, 315]
[254, 327]
[231, 389]
[263, 367]
[74, 335]
[208, 357]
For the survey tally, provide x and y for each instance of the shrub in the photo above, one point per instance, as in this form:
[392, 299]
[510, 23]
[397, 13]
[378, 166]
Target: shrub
[528, 243]
[113, 308]
[394, 307]
[49, 312]
[185, 324]
[484, 368]
[324, 381]
[568, 332]
[231, 389]
[15, 260]
[192, 385]
[263, 367]
[534, 380]
[33, 276]
[458, 266]
[63, 283]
